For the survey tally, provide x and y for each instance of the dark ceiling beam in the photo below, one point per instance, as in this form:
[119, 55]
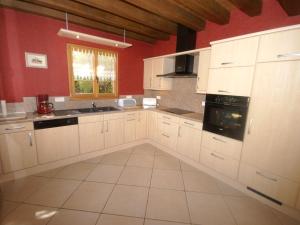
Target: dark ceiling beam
[250, 7]
[100, 16]
[207, 9]
[171, 11]
[291, 7]
[39, 10]
[133, 13]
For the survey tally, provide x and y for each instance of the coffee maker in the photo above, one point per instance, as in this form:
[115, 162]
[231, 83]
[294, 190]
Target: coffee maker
[43, 105]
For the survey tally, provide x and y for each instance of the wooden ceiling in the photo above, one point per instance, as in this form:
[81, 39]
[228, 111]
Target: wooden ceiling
[145, 20]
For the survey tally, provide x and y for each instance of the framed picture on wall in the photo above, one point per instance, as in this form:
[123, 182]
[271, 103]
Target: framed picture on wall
[35, 60]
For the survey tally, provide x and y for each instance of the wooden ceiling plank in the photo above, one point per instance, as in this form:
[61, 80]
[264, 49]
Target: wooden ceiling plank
[291, 7]
[100, 16]
[170, 10]
[207, 9]
[43, 11]
[133, 13]
[250, 7]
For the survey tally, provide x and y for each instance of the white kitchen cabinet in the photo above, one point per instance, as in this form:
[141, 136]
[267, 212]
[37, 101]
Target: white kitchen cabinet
[272, 140]
[91, 133]
[113, 129]
[274, 186]
[167, 133]
[231, 81]
[18, 150]
[278, 46]
[147, 73]
[130, 127]
[152, 125]
[240, 52]
[57, 143]
[203, 71]
[189, 139]
[141, 125]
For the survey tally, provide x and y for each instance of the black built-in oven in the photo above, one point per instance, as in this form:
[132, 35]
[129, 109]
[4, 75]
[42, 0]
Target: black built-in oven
[226, 115]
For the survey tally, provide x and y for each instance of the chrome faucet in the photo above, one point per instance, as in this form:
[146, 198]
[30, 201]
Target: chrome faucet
[94, 105]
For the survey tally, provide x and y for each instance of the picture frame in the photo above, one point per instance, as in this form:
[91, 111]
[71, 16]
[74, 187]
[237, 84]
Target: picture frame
[35, 60]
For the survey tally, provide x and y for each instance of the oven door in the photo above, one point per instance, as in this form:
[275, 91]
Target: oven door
[226, 120]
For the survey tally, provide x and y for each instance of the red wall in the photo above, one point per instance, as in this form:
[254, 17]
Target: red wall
[272, 16]
[22, 32]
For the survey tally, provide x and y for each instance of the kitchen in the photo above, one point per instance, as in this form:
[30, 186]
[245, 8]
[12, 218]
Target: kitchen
[183, 120]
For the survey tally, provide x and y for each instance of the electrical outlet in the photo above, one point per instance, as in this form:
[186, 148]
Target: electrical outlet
[203, 103]
[158, 97]
[128, 96]
[59, 99]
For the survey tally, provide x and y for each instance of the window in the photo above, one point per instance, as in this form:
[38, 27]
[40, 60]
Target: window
[92, 72]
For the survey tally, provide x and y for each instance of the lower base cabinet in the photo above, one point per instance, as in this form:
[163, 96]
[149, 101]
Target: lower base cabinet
[167, 133]
[114, 132]
[91, 136]
[152, 125]
[141, 125]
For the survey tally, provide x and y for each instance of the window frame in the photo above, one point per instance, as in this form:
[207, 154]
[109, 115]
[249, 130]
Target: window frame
[95, 94]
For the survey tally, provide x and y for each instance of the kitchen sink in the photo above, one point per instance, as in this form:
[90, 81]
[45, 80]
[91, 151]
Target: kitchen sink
[84, 110]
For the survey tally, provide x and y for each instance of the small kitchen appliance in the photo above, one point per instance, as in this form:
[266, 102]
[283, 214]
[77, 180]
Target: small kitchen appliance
[43, 105]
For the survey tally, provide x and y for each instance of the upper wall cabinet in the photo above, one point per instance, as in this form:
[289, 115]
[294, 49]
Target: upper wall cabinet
[284, 45]
[203, 71]
[241, 52]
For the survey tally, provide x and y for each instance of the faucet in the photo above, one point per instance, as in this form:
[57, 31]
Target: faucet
[94, 105]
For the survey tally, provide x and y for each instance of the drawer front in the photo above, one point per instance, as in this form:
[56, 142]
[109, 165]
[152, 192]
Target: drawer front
[269, 184]
[222, 145]
[114, 116]
[15, 127]
[191, 123]
[167, 117]
[130, 115]
[90, 119]
[168, 133]
[222, 164]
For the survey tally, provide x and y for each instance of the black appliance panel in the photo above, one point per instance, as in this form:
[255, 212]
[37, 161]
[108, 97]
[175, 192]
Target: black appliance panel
[43, 124]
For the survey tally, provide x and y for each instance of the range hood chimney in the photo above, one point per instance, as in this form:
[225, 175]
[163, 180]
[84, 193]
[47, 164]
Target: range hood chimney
[186, 40]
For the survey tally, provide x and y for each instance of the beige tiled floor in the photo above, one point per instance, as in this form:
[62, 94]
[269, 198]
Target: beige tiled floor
[136, 186]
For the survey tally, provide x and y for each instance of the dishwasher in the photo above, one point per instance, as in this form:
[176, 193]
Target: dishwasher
[56, 139]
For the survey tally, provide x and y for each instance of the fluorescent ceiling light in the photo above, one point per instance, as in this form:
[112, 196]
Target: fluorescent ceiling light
[92, 38]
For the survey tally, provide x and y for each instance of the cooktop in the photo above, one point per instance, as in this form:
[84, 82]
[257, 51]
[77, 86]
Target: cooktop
[177, 111]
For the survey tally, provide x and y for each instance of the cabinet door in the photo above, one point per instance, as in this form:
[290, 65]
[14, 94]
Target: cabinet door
[272, 138]
[147, 73]
[152, 125]
[18, 151]
[279, 46]
[168, 133]
[189, 142]
[231, 81]
[114, 132]
[129, 129]
[162, 66]
[91, 137]
[57, 143]
[222, 55]
[203, 71]
[141, 125]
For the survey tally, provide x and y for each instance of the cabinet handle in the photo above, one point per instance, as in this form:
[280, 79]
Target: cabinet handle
[15, 128]
[166, 123]
[217, 139]
[290, 54]
[189, 123]
[130, 114]
[179, 132]
[266, 177]
[216, 156]
[165, 135]
[165, 117]
[30, 138]
[130, 119]
[250, 126]
[106, 126]
[226, 63]
[102, 127]
[223, 91]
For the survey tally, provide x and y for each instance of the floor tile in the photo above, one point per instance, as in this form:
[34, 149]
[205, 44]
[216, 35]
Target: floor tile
[171, 179]
[162, 153]
[163, 162]
[95, 160]
[285, 219]
[186, 167]
[209, 209]
[248, 211]
[200, 182]
[168, 205]
[128, 150]
[49, 173]
[105, 173]
[144, 149]
[90, 196]
[141, 160]
[6, 207]
[77, 171]
[136, 176]
[72, 217]
[116, 158]
[127, 201]
[19, 190]
[161, 222]
[29, 215]
[54, 193]
[119, 220]
[228, 190]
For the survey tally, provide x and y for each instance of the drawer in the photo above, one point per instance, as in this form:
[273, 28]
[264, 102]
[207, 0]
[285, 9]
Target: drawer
[222, 164]
[130, 115]
[168, 117]
[15, 127]
[168, 133]
[222, 145]
[276, 187]
[191, 123]
[114, 116]
[90, 119]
